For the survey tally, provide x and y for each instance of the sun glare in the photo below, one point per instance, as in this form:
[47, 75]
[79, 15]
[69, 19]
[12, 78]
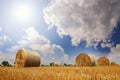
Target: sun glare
[23, 13]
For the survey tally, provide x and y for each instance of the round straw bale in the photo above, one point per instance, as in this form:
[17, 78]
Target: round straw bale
[26, 58]
[114, 64]
[84, 60]
[103, 61]
[53, 64]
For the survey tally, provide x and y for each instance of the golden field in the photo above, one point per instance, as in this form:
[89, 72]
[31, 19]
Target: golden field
[60, 73]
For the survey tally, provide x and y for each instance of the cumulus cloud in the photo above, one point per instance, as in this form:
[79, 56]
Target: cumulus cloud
[103, 45]
[35, 41]
[4, 38]
[83, 20]
[115, 54]
[49, 52]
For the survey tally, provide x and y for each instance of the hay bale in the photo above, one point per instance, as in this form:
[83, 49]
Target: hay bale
[26, 58]
[53, 64]
[84, 60]
[114, 64]
[103, 61]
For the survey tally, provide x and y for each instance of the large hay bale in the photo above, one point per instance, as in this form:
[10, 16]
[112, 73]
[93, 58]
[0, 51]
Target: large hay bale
[84, 60]
[103, 61]
[26, 58]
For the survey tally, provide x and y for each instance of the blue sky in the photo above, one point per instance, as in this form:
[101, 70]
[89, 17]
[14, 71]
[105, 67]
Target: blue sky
[60, 30]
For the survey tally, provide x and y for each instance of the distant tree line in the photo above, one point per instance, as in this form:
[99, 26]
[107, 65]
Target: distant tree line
[55, 64]
[5, 63]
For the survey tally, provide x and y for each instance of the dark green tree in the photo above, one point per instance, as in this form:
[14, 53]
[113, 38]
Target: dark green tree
[42, 65]
[5, 63]
[50, 64]
[65, 64]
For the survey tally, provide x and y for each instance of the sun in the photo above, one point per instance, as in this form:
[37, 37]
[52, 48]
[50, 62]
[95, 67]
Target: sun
[23, 12]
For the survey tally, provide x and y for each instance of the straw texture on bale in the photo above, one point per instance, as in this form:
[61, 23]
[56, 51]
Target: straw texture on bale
[84, 60]
[114, 64]
[26, 58]
[103, 61]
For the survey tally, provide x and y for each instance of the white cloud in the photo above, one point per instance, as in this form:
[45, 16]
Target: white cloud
[115, 54]
[36, 42]
[33, 40]
[107, 43]
[5, 56]
[103, 45]
[58, 56]
[4, 38]
[89, 20]
[0, 29]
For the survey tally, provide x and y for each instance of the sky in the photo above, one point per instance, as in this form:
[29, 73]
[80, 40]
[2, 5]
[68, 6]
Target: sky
[59, 30]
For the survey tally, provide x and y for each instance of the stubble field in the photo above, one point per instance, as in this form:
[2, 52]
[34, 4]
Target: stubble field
[60, 73]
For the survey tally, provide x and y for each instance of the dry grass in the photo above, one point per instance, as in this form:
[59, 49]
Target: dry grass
[60, 73]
